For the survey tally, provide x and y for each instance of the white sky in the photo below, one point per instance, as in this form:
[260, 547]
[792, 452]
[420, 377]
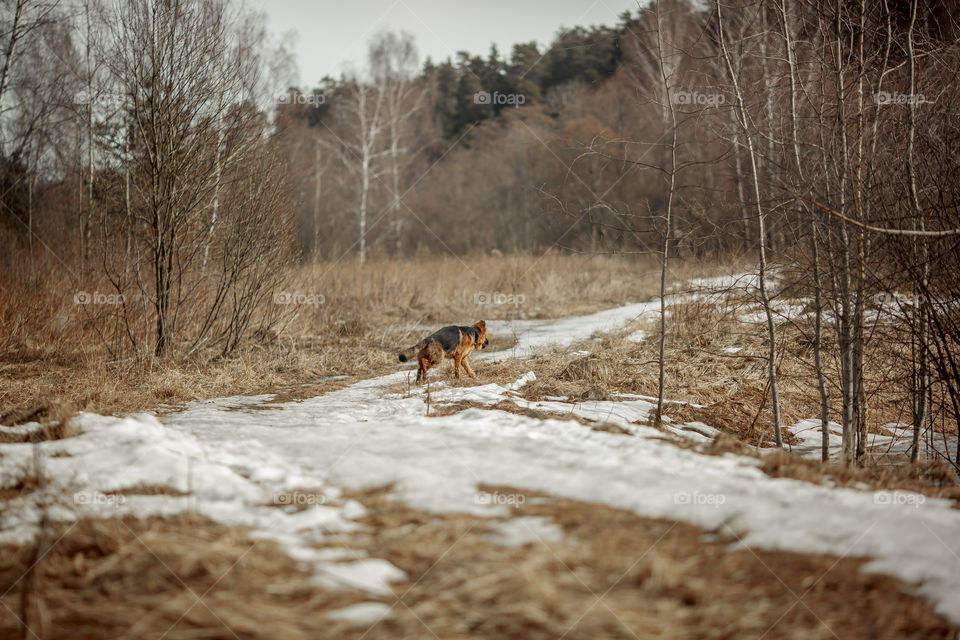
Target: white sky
[331, 34]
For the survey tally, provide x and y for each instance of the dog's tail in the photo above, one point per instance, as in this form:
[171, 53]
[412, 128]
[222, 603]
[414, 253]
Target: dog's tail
[408, 354]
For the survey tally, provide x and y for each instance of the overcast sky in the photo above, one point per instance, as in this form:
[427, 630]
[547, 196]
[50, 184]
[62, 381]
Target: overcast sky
[331, 34]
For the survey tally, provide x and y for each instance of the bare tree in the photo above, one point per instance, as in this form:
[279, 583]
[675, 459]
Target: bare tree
[16, 29]
[196, 143]
[360, 112]
[788, 28]
[393, 63]
[752, 154]
[666, 63]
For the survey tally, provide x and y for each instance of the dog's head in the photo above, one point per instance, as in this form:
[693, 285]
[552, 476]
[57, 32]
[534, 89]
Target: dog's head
[482, 340]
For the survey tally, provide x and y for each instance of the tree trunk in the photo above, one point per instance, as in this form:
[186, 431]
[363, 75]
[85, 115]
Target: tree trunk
[920, 322]
[761, 231]
[668, 227]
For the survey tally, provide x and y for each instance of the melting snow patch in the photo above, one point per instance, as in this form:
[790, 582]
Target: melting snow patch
[362, 614]
[517, 532]
[738, 281]
[811, 436]
[699, 428]
[21, 429]
[533, 335]
[483, 394]
[371, 575]
[897, 444]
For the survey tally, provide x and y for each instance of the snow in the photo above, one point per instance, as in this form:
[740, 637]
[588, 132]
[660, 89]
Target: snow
[520, 531]
[372, 575]
[744, 282]
[699, 428]
[21, 429]
[534, 335]
[239, 468]
[625, 413]
[365, 613]
[811, 436]
[897, 444]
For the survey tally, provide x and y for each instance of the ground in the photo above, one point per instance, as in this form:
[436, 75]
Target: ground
[536, 502]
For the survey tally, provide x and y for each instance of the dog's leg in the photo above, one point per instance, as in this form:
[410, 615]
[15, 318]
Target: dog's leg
[457, 360]
[422, 370]
[466, 365]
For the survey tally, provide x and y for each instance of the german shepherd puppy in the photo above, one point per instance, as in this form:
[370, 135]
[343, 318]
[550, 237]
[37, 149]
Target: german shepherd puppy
[451, 342]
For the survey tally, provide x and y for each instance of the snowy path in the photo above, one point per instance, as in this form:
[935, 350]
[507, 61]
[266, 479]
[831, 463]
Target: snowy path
[533, 335]
[237, 461]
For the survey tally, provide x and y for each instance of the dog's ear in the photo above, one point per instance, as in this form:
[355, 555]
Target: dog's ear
[482, 325]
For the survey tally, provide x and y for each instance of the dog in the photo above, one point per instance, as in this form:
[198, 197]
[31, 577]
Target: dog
[452, 342]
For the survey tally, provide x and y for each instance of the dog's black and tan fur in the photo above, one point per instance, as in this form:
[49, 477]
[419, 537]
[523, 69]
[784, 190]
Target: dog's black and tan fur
[451, 342]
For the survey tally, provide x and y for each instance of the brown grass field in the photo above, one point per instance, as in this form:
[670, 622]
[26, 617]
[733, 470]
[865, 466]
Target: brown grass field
[614, 575]
[52, 361]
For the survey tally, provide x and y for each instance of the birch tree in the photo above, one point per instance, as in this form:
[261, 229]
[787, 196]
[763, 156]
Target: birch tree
[393, 63]
[361, 112]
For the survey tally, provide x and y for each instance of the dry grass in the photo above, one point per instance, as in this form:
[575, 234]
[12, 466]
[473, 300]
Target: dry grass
[176, 577]
[617, 575]
[731, 391]
[148, 490]
[50, 352]
[28, 483]
[716, 372]
[928, 477]
[46, 431]
[54, 419]
[50, 357]
[450, 408]
[614, 575]
[934, 479]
